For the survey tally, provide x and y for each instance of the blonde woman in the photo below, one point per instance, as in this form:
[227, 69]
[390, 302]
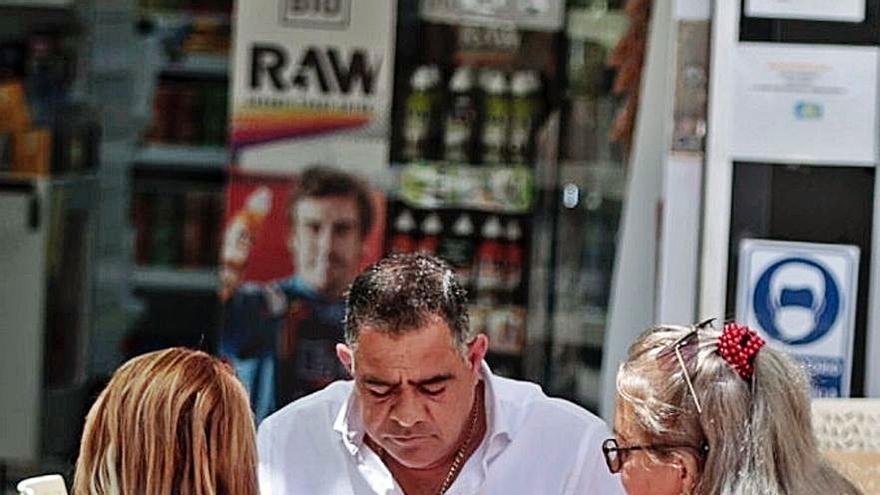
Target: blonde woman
[702, 411]
[171, 422]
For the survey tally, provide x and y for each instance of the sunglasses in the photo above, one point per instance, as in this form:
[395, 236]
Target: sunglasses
[687, 340]
[678, 347]
[615, 455]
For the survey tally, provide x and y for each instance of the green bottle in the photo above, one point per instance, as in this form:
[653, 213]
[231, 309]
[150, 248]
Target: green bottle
[419, 113]
[496, 117]
[525, 109]
[461, 118]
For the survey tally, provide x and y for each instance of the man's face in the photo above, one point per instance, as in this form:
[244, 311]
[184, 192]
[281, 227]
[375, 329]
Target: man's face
[327, 242]
[415, 390]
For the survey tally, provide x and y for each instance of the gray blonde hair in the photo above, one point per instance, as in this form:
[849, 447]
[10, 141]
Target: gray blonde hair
[759, 433]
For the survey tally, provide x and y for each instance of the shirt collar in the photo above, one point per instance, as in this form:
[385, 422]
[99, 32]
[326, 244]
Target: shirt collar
[500, 424]
[350, 426]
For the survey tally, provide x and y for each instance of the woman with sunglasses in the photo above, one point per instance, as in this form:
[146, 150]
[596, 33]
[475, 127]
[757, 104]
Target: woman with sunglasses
[702, 411]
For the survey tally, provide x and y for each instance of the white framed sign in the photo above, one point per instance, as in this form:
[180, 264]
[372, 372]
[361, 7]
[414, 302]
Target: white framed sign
[312, 82]
[805, 103]
[801, 298]
[813, 10]
[538, 15]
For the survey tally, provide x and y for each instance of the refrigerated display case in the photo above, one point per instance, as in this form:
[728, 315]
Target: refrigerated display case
[48, 244]
[559, 195]
[476, 102]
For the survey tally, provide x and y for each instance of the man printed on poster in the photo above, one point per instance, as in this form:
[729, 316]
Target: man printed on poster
[281, 325]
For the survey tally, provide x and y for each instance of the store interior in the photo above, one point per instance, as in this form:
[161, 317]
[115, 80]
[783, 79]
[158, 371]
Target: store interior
[512, 145]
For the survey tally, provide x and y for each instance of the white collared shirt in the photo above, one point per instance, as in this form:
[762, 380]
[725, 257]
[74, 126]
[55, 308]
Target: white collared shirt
[534, 445]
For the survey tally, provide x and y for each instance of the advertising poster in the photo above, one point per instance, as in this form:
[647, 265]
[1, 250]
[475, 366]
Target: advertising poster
[290, 249]
[310, 120]
[811, 10]
[800, 297]
[805, 103]
[312, 83]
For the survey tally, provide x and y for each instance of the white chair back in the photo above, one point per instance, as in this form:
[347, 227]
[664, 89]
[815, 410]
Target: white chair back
[51, 484]
[848, 431]
[847, 424]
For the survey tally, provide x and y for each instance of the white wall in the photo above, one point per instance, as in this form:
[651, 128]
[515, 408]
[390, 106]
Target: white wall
[631, 305]
[680, 239]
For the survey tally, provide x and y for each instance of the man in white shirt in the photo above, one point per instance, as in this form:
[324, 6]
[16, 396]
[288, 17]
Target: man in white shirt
[424, 414]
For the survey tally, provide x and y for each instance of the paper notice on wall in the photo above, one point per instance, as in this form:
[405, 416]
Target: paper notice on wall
[805, 103]
[813, 10]
[312, 84]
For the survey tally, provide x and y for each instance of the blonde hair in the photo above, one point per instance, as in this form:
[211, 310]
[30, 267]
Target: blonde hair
[759, 433]
[171, 422]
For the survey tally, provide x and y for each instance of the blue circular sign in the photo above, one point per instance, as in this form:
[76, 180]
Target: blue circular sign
[766, 304]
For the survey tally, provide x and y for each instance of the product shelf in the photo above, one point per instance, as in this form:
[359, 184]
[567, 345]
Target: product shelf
[67, 179]
[198, 64]
[164, 156]
[38, 4]
[504, 189]
[169, 278]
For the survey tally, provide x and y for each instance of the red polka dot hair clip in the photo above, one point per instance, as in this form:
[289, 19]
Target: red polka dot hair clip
[738, 345]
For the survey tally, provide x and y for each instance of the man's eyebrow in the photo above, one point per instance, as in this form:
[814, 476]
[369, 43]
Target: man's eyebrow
[371, 380]
[444, 377]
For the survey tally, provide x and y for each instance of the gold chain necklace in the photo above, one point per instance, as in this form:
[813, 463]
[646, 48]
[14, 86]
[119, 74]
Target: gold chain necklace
[462, 449]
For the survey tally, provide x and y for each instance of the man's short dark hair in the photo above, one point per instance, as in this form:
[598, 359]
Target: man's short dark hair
[320, 182]
[401, 293]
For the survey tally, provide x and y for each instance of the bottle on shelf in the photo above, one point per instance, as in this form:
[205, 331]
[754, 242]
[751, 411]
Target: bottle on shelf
[490, 259]
[514, 255]
[403, 240]
[457, 249]
[461, 118]
[496, 117]
[512, 338]
[525, 108]
[142, 221]
[167, 231]
[162, 129]
[49, 73]
[197, 227]
[595, 271]
[185, 114]
[431, 228]
[419, 112]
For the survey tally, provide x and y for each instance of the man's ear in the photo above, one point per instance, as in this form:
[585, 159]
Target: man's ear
[346, 357]
[477, 350]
